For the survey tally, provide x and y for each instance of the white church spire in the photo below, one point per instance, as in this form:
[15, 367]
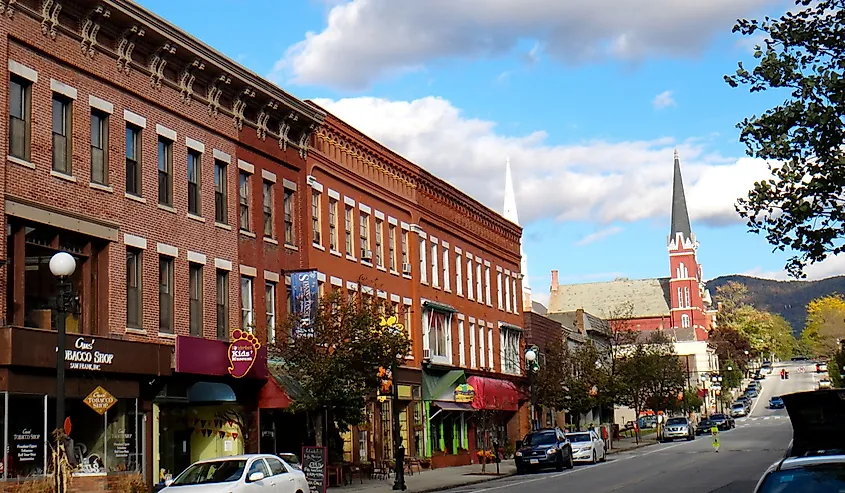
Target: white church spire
[510, 213]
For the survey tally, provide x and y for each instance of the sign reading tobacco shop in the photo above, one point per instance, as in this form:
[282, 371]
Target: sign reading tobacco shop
[100, 400]
[83, 356]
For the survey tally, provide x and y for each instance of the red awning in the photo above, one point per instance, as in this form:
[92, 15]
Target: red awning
[273, 396]
[491, 393]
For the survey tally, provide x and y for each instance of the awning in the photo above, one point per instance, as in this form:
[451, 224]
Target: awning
[280, 389]
[453, 406]
[434, 386]
[443, 307]
[505, 325]
[208, 392]
[492, 393]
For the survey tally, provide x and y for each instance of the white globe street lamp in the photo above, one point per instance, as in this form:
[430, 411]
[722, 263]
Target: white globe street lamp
[62, 265]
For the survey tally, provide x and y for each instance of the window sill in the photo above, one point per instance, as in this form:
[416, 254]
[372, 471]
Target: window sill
[406, 276]
[134, 197]
[394, 272]
[167, 208]
[21, 162]
[291, 247]
[249, 234]
[101, 187]
[423, 282]
[271, 241]
[132, 330]
[435, 286]
[448, 290]
[196, 217]
[336, 253]
[318, 246]
[223, 226]
[460, 294]
[351, 258]
[365, 263]
[166, 335]
[62, 176]
[381, 268]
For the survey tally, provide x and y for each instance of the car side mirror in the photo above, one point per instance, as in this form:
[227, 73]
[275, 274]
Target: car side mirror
[256, 476]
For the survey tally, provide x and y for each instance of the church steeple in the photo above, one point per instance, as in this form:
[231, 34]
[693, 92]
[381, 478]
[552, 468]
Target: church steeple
[510, 213]
[680, 214]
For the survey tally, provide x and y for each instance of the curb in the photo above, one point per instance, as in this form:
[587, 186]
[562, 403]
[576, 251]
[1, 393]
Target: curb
[633, 447]
[465, 483]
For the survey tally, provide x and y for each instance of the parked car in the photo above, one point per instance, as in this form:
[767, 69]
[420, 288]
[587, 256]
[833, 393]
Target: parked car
[821, 367]
[746, 401]
[814, 459]
[738, 410]
[677, 428]
[705, 426]
[723, 421]
[291, 459]
[542, 449]
[587, 446]
[776, 403]
[824, 383]
[251, 473]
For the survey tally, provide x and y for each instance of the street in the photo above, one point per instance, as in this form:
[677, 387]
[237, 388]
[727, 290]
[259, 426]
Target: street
[694, 467]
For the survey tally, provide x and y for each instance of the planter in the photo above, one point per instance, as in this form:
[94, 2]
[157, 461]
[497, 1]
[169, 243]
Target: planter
[450, 461]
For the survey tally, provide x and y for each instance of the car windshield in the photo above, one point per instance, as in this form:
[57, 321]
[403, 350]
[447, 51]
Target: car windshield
[705, 422]
[578, 437]
[533, 439]
[823, 478]
[717, 417]
[677, 421]
[776, 399]
[219, 471]
[738, 406]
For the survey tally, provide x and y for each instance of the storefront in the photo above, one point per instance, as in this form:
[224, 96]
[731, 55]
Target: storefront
[448, 409]
[496, 420]
[107, 387]
[209, 406]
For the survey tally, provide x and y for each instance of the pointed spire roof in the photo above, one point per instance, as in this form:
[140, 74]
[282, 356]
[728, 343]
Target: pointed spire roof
[680, 215]
[509, 210]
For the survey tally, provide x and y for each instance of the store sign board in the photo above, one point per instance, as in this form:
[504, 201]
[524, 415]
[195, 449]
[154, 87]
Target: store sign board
[464, 393]
[314, 466]
[100, 400]
[242, 353]
[83, 356]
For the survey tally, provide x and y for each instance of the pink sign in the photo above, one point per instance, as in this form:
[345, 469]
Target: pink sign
[242, 353]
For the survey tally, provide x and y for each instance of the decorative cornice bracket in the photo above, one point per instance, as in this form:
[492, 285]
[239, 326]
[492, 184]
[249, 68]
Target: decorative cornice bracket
[303, 140]
[50, 17]
[7, 8]
[90, 28]
[215, 91]
[187, 78]
[263, 118]
[157, 63]
[239, 106]
[125, 46]
[284, 129]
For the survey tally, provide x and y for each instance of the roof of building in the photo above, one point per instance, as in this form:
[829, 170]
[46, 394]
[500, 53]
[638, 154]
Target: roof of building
[674, 334]
[538, 308]
[591, 322]
[680, 214]
[647, 298]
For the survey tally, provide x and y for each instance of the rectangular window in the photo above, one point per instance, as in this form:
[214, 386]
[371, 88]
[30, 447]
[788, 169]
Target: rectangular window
[514, 293]
[348, 222]
[20, 111]
[461, 348]
[165, 294]
[459, 278]
[247, 312]
[478, 281]
[379, 243]
[364, 234]
[507, 293]
[267, 201]
[133, 160]
[435, 277]
[490, 347]
[423, 263]
[195, 310]
[391, 247]
[446, 281]
[243, 201]
[134, 275]
[62, 141]
[194, 182]
[333, 225]
[686, 298]
[405, 261]
[221, 191]
[99, 147]
[481, 353]
[499, 289]
[510, 351]
[290, 239]
[222, 304]
[165, 172]
[487, 285]
[469, 279]
[270, 310]
[438, 328]
[472, 350]
[315, 219]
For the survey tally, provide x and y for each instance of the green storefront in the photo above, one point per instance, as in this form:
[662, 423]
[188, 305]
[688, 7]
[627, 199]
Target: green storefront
[447, 401]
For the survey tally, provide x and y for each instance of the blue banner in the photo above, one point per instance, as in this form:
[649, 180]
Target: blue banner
[305, 293]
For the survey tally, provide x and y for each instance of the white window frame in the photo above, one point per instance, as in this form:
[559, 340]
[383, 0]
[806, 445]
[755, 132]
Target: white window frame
[514, 294]
[470, 288]
[461, 349]
[685, 321]
[459, 278]
[435, 278]
[479, 296]
[472, 348]
[686, 297]
[248, 310]
[507, 292]
[499, 290]
[490, 346]
[481, 339]
[510, 353]
[446, 341]
[487, 285]
[271, 315]
[423, 261]
[446, 278]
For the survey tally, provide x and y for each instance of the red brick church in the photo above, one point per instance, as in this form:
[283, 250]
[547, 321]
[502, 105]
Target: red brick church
[679, 305]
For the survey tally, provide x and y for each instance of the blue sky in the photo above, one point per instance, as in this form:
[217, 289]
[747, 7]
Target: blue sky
[588, 101]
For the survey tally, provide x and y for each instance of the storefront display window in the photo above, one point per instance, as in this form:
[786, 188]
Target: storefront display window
[122, 428]
[386, 431]
[26, 435]
[419, 427]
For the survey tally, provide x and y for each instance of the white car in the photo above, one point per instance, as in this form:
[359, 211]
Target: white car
[587, 446]
[252, 473]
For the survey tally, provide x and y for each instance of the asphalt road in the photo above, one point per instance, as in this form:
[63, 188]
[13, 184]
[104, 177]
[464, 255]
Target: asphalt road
[695, 467]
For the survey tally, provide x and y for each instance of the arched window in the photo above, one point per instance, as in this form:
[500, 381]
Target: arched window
[685, 321]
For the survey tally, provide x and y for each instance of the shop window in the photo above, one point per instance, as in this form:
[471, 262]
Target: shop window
[419, 425]
[27, 436]
[386, 430]
[123, 451]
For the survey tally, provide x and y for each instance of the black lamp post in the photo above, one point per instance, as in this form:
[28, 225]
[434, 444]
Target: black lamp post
[531, 360]
[399, 455]
[62, 265]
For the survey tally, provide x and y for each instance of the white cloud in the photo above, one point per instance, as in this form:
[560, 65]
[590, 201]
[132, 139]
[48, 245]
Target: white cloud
[663, 100]
[365, 40]
[597, 181]
[829, 267]
[599, 235]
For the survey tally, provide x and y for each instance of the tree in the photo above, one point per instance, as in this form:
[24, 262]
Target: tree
[802, 57]
[337, 364]
[550, 388]
[742, 327]
[731, 344]
[731, 379]
[582, 380]
[825, 325]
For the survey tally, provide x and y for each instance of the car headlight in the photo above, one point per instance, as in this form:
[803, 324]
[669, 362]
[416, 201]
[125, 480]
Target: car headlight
[518, 454]
[551, 451]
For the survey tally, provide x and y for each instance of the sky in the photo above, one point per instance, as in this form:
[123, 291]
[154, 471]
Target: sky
[588, 99]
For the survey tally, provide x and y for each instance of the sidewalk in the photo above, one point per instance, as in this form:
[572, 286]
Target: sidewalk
[626, 444]
[432, 480]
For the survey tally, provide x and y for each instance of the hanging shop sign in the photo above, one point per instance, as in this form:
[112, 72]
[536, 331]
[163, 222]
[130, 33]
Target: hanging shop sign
[242, 353]
[100, 400]
[83, 356]
[464, 393]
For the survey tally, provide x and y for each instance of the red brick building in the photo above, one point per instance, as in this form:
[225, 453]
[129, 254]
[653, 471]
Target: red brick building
[127, 145]
[451, 268]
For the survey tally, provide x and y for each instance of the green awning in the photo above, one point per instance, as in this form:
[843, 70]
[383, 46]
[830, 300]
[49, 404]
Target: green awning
[291, 387]
[434, 386]
[441, 307]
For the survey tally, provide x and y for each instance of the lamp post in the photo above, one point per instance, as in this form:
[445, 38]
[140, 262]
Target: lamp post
[531, 360]
[399, 476]
[62, 266]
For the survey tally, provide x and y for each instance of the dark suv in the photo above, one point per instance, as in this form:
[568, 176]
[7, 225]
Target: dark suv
[544, 448]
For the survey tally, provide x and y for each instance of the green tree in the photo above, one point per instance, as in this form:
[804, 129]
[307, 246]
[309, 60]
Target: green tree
[692, 400]
[582, 379]
[337, 365]
[551, 391]
[825, 325]
[731, 375]
[801, 57]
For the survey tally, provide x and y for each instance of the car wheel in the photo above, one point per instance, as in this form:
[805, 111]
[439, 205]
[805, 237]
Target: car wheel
[595, 458]
[559, 462]
[520, 470]
[570, 463]
[604, 456]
